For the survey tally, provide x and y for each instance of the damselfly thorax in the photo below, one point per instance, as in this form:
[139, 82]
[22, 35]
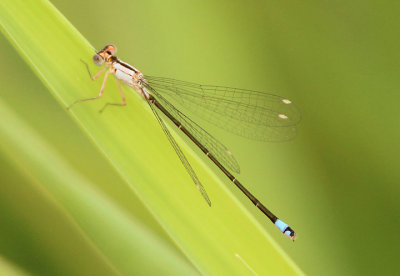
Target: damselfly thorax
[123, 71]
[252, 114]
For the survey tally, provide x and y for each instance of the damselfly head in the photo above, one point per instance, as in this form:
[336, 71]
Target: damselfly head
[105, 55]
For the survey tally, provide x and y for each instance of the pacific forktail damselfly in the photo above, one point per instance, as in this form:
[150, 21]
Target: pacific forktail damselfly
[251, 114]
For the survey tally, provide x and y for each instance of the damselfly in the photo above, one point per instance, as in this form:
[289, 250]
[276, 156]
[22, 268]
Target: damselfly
[251, 114]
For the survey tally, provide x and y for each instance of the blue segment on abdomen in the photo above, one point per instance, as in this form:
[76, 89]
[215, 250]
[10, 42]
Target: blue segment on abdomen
[281, 225]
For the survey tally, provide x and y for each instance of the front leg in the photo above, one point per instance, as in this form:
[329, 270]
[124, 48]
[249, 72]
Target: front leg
[101, 89]
[90, 74]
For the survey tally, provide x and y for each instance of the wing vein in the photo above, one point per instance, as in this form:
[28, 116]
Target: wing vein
[180, 154]
[252, 114]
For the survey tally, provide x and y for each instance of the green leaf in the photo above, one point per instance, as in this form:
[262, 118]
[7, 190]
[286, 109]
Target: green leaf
[222, 240]
[111, 234]
[9, 269]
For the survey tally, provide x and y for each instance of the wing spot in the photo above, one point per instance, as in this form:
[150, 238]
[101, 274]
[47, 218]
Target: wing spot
[283, 116]
[286, 101]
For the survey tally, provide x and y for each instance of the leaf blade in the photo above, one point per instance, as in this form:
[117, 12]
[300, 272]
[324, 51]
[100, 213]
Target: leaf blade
[211, 239]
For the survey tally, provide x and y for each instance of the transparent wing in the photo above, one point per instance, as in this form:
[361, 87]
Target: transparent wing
[215, 147]
[252, 114]
[180, 154]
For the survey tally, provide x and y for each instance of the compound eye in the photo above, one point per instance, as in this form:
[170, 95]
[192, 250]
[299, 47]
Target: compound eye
[111, 48]
[98, 60]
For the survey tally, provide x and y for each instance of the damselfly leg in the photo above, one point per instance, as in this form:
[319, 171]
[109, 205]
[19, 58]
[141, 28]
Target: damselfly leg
[103, 85]
[98, 74]
[116, 104]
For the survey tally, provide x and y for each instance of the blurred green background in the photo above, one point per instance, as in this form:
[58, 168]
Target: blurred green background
[336, 184]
